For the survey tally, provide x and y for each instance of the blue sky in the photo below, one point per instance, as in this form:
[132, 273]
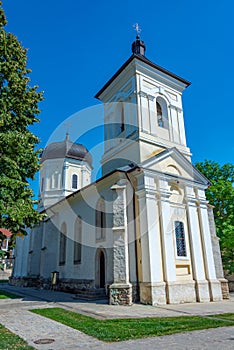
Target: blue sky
[76, 46]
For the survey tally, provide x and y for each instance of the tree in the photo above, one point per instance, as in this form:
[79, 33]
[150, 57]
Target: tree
[18, 154]
[221, 195]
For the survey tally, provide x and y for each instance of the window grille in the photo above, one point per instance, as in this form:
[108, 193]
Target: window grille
[180, 238]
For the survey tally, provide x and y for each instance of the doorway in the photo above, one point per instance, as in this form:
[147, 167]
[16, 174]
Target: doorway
[100, 278]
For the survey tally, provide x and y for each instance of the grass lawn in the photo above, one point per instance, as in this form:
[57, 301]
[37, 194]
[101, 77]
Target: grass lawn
[10, 341]
[133, 328]
[7, 295]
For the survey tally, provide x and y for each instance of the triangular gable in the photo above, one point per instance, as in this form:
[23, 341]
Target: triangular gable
[173, 162]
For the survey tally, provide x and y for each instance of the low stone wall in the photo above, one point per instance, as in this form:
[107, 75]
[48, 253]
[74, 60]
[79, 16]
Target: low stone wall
[24, 282]
[225, 289]
[82, 288]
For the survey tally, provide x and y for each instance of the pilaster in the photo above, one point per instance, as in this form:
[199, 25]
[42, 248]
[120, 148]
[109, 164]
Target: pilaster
[120, 289]
[214, 284]
[152, 286]
[202, 288]
[167, 241]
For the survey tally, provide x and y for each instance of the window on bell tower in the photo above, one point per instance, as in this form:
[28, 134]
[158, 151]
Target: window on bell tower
[120, 122]
[159, 115]
[122, 125]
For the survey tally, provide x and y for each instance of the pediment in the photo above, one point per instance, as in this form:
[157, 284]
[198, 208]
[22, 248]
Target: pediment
[173, 162]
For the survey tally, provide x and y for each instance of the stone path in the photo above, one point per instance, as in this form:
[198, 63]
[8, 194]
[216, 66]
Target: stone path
[15, 316]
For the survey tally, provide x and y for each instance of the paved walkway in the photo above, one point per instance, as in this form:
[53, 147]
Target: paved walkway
[15, 316]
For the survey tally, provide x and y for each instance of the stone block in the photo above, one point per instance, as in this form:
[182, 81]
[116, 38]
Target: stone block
[181, 292]
[152, 293]
[215, 290]
[120, 294]
[224, 288]
[202, 291]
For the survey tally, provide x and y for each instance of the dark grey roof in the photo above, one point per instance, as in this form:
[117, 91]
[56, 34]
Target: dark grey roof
[145, 60]
[66, 149]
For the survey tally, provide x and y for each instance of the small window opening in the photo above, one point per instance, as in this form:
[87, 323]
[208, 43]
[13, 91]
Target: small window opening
[159, 116]
[74, 181]
[180, 239]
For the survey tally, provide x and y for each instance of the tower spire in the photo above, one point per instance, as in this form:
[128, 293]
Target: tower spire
[138, 46]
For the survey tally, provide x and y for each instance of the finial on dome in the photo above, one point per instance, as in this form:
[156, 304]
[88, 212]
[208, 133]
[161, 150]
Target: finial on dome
[138, 46]
[67, 132]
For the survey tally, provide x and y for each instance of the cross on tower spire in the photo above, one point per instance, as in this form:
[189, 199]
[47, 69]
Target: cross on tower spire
[137, 29]
[138, 46]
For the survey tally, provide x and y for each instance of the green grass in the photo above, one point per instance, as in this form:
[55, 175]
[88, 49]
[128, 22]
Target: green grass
[10, 341]
[7, 295]
[229, 317]
[132, 328]
[4, 281]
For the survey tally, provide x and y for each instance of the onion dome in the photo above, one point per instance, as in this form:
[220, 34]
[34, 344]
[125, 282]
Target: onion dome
[66, 149]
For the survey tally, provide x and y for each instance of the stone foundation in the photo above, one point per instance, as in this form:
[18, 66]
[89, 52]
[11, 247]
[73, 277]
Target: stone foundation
[84, 289]
[224, 288]
[24, 281]
[215, 290]
[180, 292]
[152, 293]
[120, 294]
[202, 291]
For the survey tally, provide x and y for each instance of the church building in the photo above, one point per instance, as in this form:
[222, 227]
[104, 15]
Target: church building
[144, 231]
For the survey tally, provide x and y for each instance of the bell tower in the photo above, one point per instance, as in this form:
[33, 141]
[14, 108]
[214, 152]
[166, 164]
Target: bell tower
[143, 111]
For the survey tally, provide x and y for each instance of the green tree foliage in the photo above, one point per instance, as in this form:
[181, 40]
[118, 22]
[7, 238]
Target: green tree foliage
[18, 156]
[221, 195]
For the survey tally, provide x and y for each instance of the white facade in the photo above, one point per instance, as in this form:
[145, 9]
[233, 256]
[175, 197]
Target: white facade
[142, 232]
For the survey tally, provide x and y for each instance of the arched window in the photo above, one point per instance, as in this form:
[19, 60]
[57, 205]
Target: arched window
[100, 220]
[159, 115]
[120, 122]
[162, 114]
[54, 180]
[63, 244]
[74, 181]
[78, 241]
[180, 239]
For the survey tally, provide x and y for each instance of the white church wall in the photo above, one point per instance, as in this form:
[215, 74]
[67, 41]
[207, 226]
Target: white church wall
[128, 153]
[21, 265]
[35, 252]
[49, 251]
